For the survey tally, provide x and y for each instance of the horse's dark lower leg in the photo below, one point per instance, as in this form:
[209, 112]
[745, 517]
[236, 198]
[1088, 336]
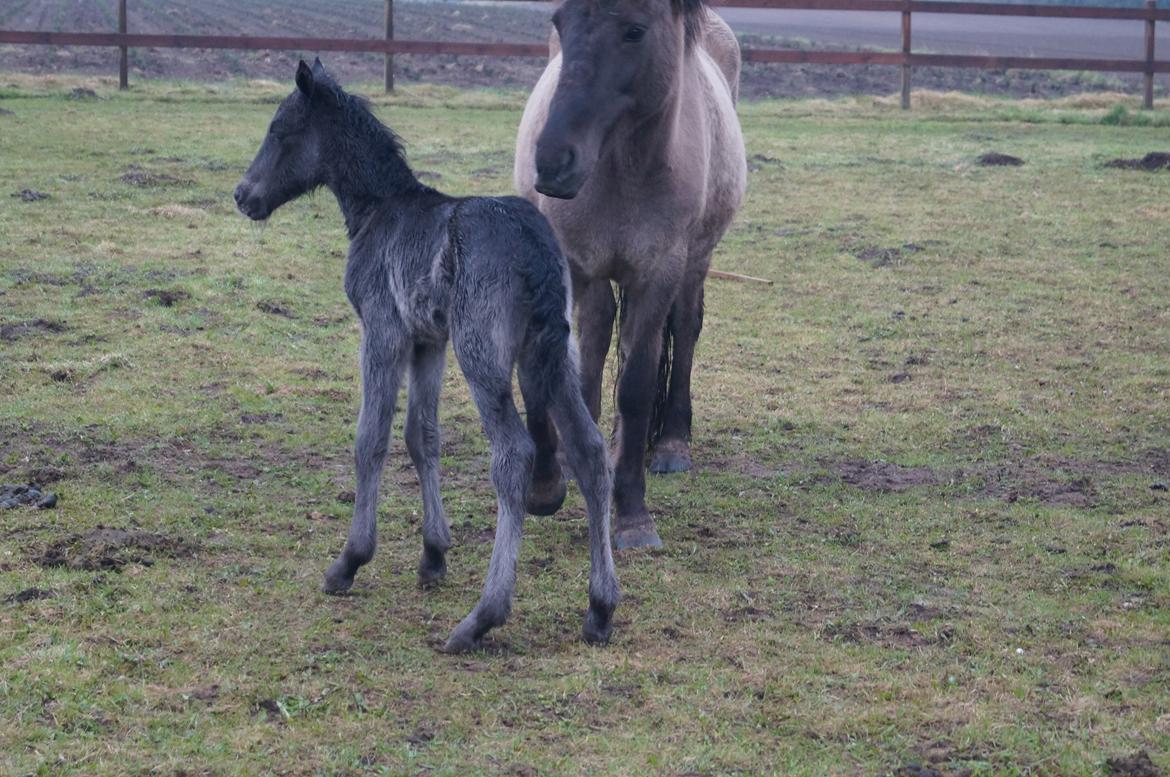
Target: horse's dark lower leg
[382, 367]
[547, 489]
[422, 441]
[641, 344]
[671, 451]
[596, 310]
[586, 450]
[512, 455]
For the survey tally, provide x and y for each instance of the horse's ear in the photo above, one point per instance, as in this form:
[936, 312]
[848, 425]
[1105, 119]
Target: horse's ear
[305, 81]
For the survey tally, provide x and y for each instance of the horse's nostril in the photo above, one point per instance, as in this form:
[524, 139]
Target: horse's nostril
[567, 157]
[240, 194]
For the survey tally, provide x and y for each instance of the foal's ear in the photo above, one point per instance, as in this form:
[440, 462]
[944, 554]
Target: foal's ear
[305, 80]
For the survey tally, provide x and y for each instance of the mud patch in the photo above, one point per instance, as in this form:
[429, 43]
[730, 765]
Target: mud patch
[891, 635]
[275, 308]
[995, 159]
[1151, 162]
[1011, 484]
[23, 328]
[135, 175]
[884, 477]
[1136, 765]
[106, 548]
[26, 496]
[30, 195]
[884, 257]
[28, 595]
[167, 298]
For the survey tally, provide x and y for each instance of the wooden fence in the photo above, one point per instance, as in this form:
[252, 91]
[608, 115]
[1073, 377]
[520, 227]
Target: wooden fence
[906, 59]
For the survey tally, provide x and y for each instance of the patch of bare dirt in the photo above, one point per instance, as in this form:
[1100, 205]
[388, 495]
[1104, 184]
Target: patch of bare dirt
[1136, 765]
[1151, 162]
[275, 308]
[28, 595]
[892, 635]
[166, 297]
[23, 328]
[883, 257]
[1037, 483]
[135, 175]
[30, 195]
[107, 548]
[995, 159]
[883, 476]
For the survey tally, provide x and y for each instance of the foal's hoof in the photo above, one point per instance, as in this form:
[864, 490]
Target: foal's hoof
[336, 585]
[545, 498]
[597, 630]
[642, 535]
[670, 457]
[432, 568]
[463, 640]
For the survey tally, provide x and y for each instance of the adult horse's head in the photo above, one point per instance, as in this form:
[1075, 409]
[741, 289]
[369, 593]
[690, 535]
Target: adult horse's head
[618, 58]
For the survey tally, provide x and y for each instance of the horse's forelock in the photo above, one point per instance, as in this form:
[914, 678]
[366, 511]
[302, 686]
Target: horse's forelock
[692, 12]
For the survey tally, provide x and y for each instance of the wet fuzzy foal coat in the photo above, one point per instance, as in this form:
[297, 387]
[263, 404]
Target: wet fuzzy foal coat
[424, 267]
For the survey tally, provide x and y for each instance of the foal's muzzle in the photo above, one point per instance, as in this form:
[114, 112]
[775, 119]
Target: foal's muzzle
[249, 204]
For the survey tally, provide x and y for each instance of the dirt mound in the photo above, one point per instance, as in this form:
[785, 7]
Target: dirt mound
[1152, 162]
[18, 495]
[1136, 765]
[22, 328]
[166, 297]
[883, 476]
[106, 548]
[995, 159]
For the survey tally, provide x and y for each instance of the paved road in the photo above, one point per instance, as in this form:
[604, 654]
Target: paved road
[956, 34]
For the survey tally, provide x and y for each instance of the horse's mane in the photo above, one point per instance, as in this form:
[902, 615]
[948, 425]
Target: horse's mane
[693, 13]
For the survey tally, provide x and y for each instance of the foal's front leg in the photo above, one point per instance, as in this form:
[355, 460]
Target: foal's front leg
[383, 360]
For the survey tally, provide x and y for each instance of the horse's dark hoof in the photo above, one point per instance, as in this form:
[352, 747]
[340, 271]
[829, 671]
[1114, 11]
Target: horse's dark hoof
[547, 497]
[641, 536]
[670, 457]
[596, 631]
[337, 582]
[431, 571]
[462, 640]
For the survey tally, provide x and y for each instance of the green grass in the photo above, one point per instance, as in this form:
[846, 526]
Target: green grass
[921, 528]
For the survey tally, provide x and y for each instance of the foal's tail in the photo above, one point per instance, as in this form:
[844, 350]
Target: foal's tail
[546, 295]
[665, 361]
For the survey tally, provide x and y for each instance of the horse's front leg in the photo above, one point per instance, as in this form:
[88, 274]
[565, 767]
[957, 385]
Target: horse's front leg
[383, 359]
[670, 449]
[644, 313]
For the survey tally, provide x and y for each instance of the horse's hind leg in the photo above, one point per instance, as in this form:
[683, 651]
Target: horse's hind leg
[512, 456]
[382, 364]
[671, 451]
[586, 450]
[422, 441]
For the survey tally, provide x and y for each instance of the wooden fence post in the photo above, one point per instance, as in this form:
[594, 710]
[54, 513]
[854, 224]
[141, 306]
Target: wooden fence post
[389, 37]
[906, 52]
[1148, 97]
[124, 53]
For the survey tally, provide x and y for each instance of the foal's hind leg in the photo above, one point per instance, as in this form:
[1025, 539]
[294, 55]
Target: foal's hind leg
[422, 441]
[512, 453]
[671, 451]
[382, 361]
[589, 458]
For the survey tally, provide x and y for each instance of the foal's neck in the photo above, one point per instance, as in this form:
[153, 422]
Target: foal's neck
[368, 169]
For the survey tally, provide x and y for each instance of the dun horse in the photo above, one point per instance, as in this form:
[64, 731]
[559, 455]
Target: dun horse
[631, 147]
[423, 267]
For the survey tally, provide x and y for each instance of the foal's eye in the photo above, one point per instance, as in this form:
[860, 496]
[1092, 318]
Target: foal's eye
[634, 33]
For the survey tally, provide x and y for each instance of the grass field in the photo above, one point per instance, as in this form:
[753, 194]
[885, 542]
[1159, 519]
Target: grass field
[929, 524]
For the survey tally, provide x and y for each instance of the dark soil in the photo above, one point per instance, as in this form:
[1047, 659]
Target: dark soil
[136, 176]
[994, 159]
[274, 308]
[883, 257]
[893, 635]
[457, 22]
[1152, 162]
[1136, 765]
[166, 297]
[23, 328]
[884, 477]
[26, 496]
[28, 595]
[30, 195]
[107, 548]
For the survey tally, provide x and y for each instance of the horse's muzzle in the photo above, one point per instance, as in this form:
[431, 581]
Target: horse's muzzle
[249, 204]
[557, 172]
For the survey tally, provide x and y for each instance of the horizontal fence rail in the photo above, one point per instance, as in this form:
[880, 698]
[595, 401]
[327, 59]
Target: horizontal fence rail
[906, 59]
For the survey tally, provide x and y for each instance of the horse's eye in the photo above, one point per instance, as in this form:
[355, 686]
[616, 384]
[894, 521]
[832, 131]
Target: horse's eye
[634, 33]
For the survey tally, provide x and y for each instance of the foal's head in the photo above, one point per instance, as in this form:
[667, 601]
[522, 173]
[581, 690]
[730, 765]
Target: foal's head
[320, 136]
[618, 57]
